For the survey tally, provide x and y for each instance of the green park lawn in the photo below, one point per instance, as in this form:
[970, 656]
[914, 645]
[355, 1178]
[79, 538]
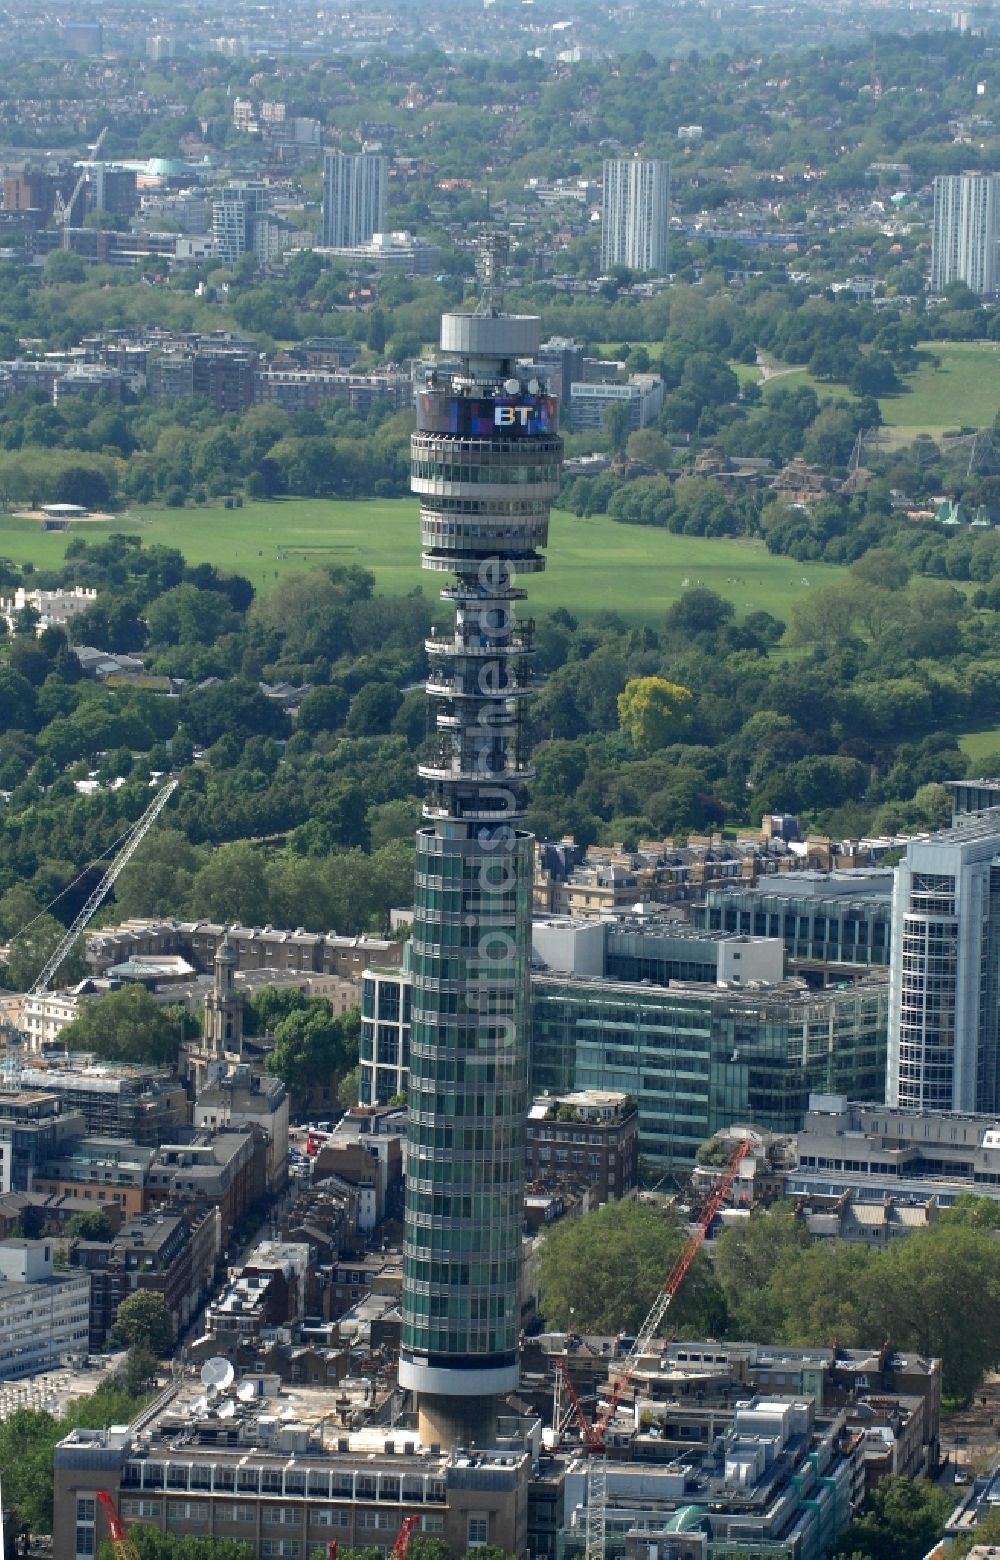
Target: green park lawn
[793, 376]
[595, 564]
[963, 392]
[980, 744]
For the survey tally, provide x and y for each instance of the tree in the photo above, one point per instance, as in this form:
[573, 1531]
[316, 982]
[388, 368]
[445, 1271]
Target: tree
[27, 1445]
[145, 1320]
[698, 611]
[349, 1088]
[311, 1046]
[232, 885]
[158, 879]
[653, 712]
[372, 709]
[80, 484]
[154, 1545]
[26, 622]
[601, 1273]
[268, 1006]
[62, 265]
[187, 615]
[882, 567]
[746, 1256]
[126, 1026]
[902, 1520]
[324, 709]
[617, 425]
[139, 1369]
[780, 1287]
[29, 953]
[90, 1226]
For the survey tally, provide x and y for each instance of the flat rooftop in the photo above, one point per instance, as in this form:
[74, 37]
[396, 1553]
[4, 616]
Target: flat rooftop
[259, 1416]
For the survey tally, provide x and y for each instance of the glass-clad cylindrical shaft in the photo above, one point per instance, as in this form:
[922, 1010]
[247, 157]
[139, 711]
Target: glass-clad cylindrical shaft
[486, 458]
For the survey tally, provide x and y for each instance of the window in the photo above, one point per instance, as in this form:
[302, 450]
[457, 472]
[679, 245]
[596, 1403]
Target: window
[479, 1528]
[86, 1508]
[187, 1511]
[84, 1540]
[236, 1513]
[284, 1516]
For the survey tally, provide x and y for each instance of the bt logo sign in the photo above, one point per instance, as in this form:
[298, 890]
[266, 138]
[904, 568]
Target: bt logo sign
[513, 416]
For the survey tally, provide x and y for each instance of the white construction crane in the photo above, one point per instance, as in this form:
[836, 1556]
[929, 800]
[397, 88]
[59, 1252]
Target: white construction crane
[12, 1062]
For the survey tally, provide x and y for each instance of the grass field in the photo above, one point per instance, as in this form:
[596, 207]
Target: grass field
[963, 391]
[980, 744]
[594, 564]
[792, 378]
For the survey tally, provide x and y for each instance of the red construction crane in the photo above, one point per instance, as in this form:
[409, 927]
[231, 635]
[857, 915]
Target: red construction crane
[402, 1543]
[331, 1550]
[123, 1545]
[593, 1432]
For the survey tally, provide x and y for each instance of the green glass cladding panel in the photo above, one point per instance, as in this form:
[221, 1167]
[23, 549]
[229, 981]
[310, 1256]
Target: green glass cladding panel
[467, 1097]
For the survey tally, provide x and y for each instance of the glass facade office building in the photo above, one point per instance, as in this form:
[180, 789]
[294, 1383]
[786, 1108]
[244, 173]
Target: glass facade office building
[818, 927]
[384, 1046]
[944, 1008]
[486, 459]
[700, 1058]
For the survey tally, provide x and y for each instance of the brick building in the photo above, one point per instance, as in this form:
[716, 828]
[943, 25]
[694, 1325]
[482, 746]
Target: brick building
[591, 1136]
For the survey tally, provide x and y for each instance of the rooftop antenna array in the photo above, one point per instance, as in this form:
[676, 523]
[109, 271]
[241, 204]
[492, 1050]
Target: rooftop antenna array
[491, 268]
[217, 1374]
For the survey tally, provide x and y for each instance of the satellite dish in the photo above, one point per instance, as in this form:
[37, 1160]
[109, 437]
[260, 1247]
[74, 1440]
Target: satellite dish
[288, 1414]
[200, 1405]
[512, 386]
[228, 1409]
[534, 388]
[246, 1391]
[217, 1374]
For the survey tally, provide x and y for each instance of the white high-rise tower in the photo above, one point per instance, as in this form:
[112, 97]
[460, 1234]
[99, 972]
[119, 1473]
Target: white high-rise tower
[965, 244]
[635, 225]
[353, 198]
[944, 973]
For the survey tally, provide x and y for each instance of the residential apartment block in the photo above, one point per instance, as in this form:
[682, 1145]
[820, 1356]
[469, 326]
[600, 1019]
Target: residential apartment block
[944, 1002]
[354, 190]
[965, 244]
[635, 220]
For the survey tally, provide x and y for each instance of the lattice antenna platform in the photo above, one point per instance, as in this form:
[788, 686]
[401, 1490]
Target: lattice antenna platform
[491, 268]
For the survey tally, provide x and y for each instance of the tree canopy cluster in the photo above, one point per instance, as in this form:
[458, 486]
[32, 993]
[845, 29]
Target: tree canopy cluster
[638, 732]
[771, 1282]
[28, 1439]
[128, 1025]
[312, 1045]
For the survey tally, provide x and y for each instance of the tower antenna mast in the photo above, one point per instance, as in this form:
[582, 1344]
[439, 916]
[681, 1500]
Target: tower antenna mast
[491, 268]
